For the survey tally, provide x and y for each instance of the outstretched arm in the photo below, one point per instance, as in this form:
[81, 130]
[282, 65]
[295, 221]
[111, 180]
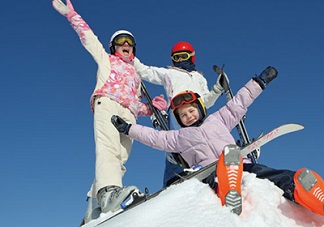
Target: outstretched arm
[155, 75]
[161, 140]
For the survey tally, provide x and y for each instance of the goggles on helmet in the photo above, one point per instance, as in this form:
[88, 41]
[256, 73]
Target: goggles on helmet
[184, 98]
[181, 56]
[122, 39]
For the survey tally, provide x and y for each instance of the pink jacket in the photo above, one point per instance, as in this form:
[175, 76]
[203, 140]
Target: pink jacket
[204, 144]
[116, 78]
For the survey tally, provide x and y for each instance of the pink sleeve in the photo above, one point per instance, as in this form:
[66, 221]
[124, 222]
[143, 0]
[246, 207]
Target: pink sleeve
[236, 108]
[161, 140]
[78, 24]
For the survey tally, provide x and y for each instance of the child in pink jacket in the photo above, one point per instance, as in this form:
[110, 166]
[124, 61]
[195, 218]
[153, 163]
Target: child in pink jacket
[116, 92]
[205, 139]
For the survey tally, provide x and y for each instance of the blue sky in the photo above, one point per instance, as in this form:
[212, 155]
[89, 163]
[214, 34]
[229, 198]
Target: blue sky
[47, 77]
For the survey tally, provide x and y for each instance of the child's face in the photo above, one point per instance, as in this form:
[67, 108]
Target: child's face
[188, 114]
[125, 50]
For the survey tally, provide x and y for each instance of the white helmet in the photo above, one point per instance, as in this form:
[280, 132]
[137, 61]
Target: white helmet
[119, 32]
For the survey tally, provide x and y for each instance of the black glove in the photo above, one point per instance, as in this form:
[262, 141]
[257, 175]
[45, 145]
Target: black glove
[121, 125]
[266, 76]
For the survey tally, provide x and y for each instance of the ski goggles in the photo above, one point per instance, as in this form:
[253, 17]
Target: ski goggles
[183, 98]
[181, 56]
[123, 38]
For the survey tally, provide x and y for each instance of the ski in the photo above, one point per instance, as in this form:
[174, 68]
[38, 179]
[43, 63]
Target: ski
[282, 130]
[275, 133]
[110, 215]
[160, 120]
[241, 129]
[204, 172]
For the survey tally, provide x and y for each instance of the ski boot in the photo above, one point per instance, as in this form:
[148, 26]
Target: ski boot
[114, 198]
[135, 197]
[93, 211]
[229, 173]
[309, 190]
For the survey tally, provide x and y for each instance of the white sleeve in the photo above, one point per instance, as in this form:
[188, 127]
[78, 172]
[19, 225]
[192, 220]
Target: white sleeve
[209, 96]
[155, 75]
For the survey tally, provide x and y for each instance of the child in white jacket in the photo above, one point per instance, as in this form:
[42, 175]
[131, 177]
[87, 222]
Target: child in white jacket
[175, 79]
[202, 139]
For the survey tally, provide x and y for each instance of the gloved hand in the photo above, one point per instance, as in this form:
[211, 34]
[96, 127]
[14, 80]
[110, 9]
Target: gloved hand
[220, 85]
[159, 102]
[121, 125]
[266, 76]
[66, 10]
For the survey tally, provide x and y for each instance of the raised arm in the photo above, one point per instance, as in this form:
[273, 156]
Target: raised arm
[236, 108]
[208, 96]
[86, 35]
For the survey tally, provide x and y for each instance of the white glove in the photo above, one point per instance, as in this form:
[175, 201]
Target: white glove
[66, 10]
[218, 88]
[60, 7]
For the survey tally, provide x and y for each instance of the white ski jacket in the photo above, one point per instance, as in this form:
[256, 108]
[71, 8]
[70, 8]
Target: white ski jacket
[176, 80]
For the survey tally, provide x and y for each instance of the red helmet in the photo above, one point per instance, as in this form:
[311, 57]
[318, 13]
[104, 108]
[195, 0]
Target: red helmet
[184, 47]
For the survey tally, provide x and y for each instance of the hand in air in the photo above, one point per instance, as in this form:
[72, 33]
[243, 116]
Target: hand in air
[220, 85]
[159, 102]
[66, 10]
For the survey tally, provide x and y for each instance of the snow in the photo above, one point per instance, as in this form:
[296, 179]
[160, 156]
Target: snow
[193, 203]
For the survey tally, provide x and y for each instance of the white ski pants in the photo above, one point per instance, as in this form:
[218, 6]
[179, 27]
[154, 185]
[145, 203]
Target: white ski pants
[112, 147]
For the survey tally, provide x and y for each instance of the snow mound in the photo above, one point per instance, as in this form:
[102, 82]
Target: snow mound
[193, 203]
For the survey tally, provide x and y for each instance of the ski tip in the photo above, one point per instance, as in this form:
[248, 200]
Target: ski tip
[297, 126]
[291, 127]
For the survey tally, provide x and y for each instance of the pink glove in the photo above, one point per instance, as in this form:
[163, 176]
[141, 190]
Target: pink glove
[160, 103]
